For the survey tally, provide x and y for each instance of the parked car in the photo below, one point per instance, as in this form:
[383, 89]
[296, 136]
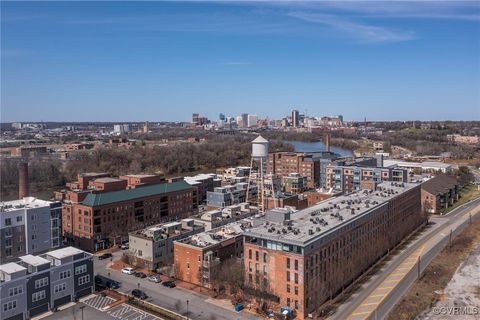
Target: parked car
[105, 256]
[104, 282]
[155, 279]
[137, 293]
[125, 246]
[128, 271]
[169, 284]
[140, 275]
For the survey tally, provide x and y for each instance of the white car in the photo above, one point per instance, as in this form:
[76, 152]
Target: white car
[128, 270]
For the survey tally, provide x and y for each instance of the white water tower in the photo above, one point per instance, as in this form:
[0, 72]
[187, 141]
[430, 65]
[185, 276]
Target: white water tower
[258, 170]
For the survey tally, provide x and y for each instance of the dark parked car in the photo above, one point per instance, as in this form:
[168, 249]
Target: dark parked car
[102, 282]
[169, 284]
[105, 256]
[140, 275]
[137, 293]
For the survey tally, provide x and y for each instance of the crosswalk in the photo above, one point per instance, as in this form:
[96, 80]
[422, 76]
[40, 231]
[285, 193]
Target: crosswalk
[126, 312]
[99, 302]
[120, 312]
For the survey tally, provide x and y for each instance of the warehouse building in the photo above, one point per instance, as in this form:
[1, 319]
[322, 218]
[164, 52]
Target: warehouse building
[307, 257]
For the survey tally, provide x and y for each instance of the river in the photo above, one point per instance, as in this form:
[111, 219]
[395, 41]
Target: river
[318, 146]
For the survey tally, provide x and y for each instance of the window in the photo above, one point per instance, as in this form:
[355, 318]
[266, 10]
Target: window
[296, 278]
[288, 288]
[19, 218]
[41, 282]
[8, 221]
[256, 255]
[34, 216]
[249, 253]
[296, 290]
[250, 266]
[265, 257]
[60, 287]
[14, 291]
[10, 305]
[140, 253]
[288, 263]
[37, 296]
[65, 274]
[34, 237]
[81, 269]
[288, 302]
[288, 275]
[8, 252]
[296, 265]
[296, 304]
[83, 280]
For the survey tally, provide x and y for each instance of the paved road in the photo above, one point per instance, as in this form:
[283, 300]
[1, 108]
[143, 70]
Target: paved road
[199, 307]
[379, 295]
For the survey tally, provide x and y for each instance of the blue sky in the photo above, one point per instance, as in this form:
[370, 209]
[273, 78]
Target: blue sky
[161, 61]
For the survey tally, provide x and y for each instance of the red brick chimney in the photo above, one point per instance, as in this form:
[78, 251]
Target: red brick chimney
[23, 180]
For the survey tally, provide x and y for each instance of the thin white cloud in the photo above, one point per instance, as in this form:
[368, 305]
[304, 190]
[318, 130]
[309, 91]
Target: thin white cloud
[444, 10]
[358, 31]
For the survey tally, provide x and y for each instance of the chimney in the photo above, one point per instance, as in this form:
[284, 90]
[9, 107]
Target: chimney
[23, 180]
[327, 142]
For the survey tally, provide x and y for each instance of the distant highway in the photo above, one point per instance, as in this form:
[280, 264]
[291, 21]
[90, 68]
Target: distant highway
[376, 298]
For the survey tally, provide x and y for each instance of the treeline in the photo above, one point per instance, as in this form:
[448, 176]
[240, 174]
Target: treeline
[180, 159]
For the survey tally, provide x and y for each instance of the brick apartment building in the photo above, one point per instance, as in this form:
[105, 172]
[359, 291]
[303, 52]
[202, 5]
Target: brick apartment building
[310, 165]
[196, 257]
[302, 259]
[350, 178]
[439, 192]
[99, 211]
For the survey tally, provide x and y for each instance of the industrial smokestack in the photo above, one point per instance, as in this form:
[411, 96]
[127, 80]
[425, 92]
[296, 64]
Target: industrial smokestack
[23, 180]
[327, 141]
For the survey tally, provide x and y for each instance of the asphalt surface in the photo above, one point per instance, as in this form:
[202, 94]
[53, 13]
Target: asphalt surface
[401, 271]
[199, 306]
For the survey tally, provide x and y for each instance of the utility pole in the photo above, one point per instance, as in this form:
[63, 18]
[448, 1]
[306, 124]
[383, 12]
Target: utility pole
[418, 270]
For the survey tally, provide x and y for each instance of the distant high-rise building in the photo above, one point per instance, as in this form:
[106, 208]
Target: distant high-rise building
[295, 118]
[146, 127]
[195, 117]
[244, 120]
[222, 117]
[252, 120]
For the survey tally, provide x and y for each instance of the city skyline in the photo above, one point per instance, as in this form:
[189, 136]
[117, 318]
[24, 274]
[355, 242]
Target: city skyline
[120, 62]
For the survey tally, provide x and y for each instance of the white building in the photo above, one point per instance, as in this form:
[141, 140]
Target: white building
[29, 226]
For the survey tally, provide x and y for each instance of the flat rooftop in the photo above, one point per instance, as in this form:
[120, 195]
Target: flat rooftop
[108, 179]
[25, 203]
[64, 252]
[11, 267]
[313, 223]
[34, 260]
[214, 236]
[425, 164]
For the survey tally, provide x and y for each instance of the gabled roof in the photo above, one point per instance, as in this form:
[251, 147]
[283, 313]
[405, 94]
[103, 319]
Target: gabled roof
[100, 199]
[439, 184]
